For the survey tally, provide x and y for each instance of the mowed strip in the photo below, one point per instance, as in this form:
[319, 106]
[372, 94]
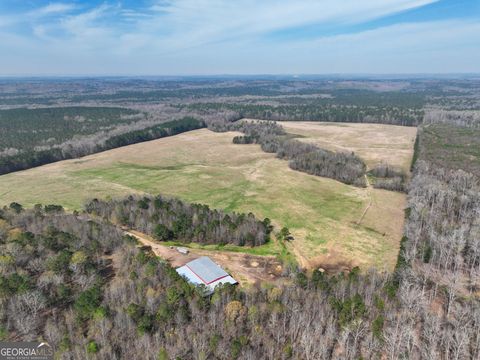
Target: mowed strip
[206, 167]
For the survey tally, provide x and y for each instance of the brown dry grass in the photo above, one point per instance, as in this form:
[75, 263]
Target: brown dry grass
[374, 143]
[206, 167]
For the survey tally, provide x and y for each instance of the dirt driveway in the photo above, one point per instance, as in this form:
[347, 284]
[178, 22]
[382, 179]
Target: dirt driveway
[245, 268]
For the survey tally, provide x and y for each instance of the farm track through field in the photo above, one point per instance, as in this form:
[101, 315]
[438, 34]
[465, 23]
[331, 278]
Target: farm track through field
[206, 167]
[359, 222]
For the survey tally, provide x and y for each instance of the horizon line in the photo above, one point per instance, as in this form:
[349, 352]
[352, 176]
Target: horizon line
[220, 75]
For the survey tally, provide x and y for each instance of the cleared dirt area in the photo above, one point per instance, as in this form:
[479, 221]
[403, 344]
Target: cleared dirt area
[206, 167]
[374, 143]
[246, 269]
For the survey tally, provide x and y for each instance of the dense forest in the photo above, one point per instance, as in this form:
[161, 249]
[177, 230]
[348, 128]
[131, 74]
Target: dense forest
[14, 159]
[30, 129]
[167, 219]
[443, 227]
[452, 147]
[317, 112]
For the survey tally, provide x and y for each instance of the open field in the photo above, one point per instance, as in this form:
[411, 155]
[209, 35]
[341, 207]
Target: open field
[374, 143]
[202, 166]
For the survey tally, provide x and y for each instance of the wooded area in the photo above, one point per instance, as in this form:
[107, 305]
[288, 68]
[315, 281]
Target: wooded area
[14, 159]
[171, 219]
[318, 112]
[41, 128]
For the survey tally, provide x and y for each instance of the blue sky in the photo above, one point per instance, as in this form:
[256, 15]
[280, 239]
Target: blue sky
[201, 37]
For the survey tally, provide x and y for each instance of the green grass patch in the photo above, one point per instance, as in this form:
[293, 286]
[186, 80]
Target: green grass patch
[320, 213]
[270, 248]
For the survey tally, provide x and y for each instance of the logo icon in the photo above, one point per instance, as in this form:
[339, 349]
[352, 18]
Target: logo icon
[23, 350]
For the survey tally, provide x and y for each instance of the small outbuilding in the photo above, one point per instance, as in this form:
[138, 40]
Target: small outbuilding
[203, 271]
[182, 250]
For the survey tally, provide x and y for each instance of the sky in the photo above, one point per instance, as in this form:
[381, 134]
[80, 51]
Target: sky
[211, 37]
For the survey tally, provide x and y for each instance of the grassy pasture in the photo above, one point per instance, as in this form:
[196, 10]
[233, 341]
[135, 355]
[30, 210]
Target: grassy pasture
[206, 167]
[374, 143]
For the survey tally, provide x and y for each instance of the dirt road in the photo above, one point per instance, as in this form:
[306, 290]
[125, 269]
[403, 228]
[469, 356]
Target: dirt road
[245, 268]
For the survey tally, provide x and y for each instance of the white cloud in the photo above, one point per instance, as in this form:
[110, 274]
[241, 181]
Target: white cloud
[196, 22]
[179, 24]
[31, 18]
[219, 36]
[53, 8]
[84, 24]
[439, 46]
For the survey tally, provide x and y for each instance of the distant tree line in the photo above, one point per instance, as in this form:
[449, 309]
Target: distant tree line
[30, 158]
[460, 118]
[350, 113]
[172, 219]
[155, 132]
